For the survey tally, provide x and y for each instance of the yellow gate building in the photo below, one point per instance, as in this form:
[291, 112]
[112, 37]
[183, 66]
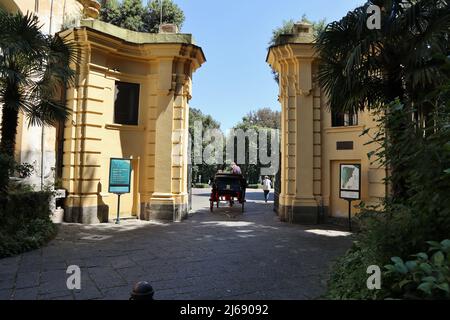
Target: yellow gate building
[314, 141]
[130, 101]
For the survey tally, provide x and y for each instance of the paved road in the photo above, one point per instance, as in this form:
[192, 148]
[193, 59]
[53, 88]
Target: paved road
[208, 256]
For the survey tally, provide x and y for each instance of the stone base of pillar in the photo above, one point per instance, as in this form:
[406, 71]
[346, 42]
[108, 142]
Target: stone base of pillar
[57, 215]
[164, 208]
[301, 214]
[86, 215]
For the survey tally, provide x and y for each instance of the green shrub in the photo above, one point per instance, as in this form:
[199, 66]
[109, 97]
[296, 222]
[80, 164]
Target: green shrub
[202, 186]
[29, 236]
[403, 224]
[9, 167]
[18, 208]
[24, 170]
[349, 278]
[6, 163]
[25, 222]
[427, 276]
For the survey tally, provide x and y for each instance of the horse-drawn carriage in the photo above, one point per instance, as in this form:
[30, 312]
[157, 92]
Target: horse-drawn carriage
[227, 187]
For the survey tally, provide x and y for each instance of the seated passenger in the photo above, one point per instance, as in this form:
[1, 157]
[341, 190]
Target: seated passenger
[235, 169]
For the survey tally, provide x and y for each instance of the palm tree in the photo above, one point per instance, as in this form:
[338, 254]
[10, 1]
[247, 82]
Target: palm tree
[33, 67]
[367, 69]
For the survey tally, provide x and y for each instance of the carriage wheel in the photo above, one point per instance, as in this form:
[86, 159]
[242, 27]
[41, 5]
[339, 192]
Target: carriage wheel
[218, 201]
[231, 203]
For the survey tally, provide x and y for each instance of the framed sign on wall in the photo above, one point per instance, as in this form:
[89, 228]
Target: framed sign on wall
[350, 181]
[350, 186]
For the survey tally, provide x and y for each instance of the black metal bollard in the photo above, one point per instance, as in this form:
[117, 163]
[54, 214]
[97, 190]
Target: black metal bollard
[142, 291]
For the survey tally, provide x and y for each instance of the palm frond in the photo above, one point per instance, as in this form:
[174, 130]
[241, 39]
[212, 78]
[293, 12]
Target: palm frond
[406, 54]
[34, 68]
[47, 112]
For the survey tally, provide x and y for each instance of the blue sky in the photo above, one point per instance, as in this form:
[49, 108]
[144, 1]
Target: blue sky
[234, 36]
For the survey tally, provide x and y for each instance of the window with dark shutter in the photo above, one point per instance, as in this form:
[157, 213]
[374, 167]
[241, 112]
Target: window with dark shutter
[341, 119]
[126, 103]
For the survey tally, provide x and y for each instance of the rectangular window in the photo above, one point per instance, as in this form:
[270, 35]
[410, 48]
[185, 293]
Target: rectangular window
[126, 103]
[340, 119]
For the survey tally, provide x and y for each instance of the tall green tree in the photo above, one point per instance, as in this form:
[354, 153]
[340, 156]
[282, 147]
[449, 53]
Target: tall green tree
[171, 13]
[204, 171]
[367, 69]
[264, 118]
[110, 12]
[257, 121]
[33, 67]
[125, 14]
[132, 15]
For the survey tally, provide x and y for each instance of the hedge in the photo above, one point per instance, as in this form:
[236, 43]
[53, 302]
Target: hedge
[202, 185]
[25, 222]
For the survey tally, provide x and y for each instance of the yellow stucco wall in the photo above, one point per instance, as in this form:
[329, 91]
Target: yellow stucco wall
[310, 159]
[163, 65]
[9, 6]
[52, 13]
[34, 144]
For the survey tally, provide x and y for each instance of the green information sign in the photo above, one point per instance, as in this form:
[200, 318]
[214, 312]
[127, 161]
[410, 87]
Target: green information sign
[119, 176]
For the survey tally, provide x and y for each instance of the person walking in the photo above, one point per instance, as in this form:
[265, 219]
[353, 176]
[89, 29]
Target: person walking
[267, 185]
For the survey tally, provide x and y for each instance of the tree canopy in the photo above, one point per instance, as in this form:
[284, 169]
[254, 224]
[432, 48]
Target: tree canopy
[207, 120]
[362, 68]
[261, 118]
[133, 15]
[254, 121]
[258, 121]
[201, 172]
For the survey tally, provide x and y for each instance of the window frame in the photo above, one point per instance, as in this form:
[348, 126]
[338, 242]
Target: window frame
[348, 119]
[136, 108]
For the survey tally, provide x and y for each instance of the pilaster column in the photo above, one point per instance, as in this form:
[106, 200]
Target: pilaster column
[304, 147]
[169, 200]
[162, 202]
[292, 58]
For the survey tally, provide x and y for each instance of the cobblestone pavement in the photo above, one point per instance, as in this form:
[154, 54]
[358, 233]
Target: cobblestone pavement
[220, 255]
